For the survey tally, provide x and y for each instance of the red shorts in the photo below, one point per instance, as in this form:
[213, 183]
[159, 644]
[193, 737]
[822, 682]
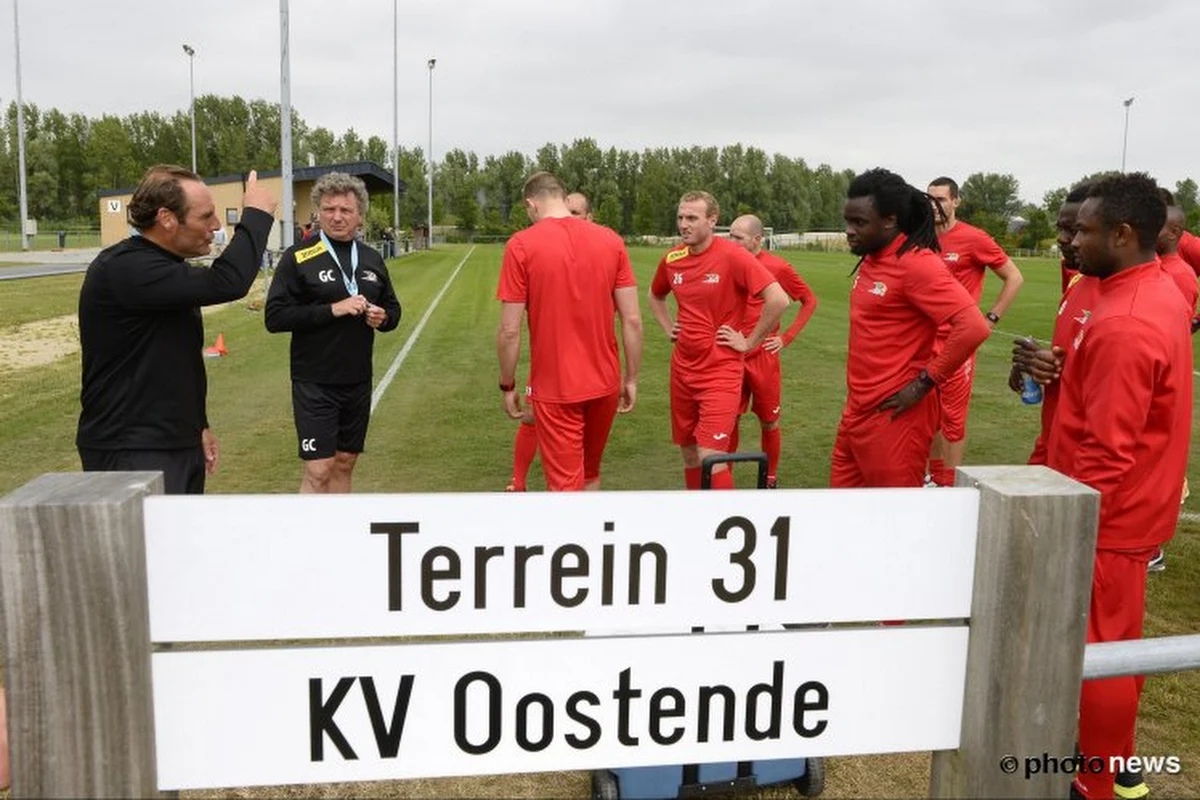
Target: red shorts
[706, 414]
[571, 438]
[954, 394]
[1108, 708]
[872, 449]
[762, 385]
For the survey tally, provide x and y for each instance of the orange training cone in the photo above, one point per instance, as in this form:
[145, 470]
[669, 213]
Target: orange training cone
[218, 349]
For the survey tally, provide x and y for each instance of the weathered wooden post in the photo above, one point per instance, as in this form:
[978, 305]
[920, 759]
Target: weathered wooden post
[1033, 572]
[75, 623]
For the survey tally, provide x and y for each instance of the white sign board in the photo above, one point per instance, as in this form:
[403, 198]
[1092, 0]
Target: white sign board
[230, 568]
[114, 206]
[263, 717]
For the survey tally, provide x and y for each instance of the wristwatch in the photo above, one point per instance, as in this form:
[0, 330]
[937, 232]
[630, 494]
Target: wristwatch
[508, 387]
[993, 317]
[923, 377]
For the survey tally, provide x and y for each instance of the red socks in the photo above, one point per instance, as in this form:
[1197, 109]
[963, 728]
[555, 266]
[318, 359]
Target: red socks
[691, 477]
[940, 473]
[524, 450]
[722, 479]
[772, 443]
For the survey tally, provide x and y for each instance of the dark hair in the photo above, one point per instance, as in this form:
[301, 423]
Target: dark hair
[1166, 195]
[1079, 192]
[944, 181]
[1131, 200]
[543, 183]
[891, 196]
[160, 188]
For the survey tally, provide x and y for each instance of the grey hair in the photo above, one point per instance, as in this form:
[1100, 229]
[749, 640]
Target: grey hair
[340, 183]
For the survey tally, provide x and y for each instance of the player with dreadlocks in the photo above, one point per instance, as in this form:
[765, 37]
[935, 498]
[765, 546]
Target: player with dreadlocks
[901, 294]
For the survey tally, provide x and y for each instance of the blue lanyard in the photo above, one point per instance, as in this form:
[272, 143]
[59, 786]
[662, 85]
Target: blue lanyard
[351, 281]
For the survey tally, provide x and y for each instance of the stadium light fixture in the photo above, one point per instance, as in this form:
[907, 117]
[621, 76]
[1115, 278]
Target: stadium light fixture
[429, 242]
[1125, 138]
[191, 54]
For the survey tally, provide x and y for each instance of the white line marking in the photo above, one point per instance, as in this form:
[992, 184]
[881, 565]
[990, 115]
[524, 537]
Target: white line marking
[384, 382]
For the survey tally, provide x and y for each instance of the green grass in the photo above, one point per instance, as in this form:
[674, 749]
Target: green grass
[440, 427]
[10, 241]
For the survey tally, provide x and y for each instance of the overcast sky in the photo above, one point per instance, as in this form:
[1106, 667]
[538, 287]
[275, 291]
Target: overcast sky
[923, 87]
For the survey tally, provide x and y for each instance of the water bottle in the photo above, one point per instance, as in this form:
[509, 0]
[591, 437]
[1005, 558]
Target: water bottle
[1031, 392]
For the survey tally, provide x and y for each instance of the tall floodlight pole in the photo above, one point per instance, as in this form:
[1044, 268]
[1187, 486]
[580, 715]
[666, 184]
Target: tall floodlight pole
[285, 127]
[191, 54]
[1125, 139]
[432, 63]
[24, 198]
[395, 122]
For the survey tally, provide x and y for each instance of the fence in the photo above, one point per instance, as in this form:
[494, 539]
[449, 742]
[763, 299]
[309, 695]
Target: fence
[101, 583]
[49, 239]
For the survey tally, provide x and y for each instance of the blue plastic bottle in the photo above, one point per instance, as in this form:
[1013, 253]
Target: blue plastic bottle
[1031, 394]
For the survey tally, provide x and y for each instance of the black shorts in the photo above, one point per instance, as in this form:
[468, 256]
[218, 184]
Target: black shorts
[331, 417]
[182, 469]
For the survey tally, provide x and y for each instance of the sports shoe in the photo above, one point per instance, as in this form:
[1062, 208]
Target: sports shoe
[929, 482]
[772, 482]
[1156, 564]
[1130, 786]
[512, 487]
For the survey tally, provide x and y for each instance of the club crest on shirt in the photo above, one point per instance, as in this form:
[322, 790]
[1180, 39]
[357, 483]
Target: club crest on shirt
[879, 289]
[677, 278]
[675, 255]
[712, 277]
[951, 257]
[369, 276]
[1084, 317]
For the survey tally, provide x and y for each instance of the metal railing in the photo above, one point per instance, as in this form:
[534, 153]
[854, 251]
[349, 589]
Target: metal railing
[1141, 657]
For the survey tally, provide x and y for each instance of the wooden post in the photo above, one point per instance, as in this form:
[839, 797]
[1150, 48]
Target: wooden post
[76, 631]
[1033, 574]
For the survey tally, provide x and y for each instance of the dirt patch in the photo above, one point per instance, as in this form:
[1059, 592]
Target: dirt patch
[35, 344]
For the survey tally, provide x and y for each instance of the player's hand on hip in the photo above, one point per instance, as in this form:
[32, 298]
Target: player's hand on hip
[906, 398]
[675, 332]
[212, 450]
[773, 344]
[731, 338]
[351, 306]
[512, 403]
[628, 397]
[256, 196]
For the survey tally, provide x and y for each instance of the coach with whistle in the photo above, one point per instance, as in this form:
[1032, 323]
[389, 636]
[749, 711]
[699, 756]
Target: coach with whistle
[332, 292]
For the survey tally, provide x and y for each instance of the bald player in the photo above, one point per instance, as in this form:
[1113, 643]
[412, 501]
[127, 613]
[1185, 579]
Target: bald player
[762, 384]
[1167, 248]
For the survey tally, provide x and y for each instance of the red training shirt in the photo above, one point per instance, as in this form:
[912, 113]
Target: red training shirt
[1074, 310]
[1124, 416]
[1189, 250]
[897, 303]
[565, 271]
[796, 288]
[1067, 273]
[1174, 265]
[967, 252]
[711, 289]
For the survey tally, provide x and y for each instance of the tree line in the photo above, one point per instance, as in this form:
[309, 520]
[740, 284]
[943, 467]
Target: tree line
[70, 157]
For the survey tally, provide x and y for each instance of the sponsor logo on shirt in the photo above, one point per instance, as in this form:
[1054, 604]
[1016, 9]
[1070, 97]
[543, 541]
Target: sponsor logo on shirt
[712, 277]
[880, 288]
[719, 436]
[675, 255]
[1084, 317]
[678, 278]
[370, 276]
[310, 252]
[1078, 339]
[951, 257]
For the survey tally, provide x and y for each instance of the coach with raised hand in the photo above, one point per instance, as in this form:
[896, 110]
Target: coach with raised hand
[144, 384]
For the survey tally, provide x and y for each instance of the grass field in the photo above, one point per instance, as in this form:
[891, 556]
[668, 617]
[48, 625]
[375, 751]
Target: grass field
[440, 427]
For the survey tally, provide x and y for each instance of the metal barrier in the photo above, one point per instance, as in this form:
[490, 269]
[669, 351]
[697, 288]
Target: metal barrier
[1141, 657]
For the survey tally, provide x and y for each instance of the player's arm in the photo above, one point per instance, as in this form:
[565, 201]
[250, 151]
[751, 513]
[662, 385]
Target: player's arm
[775, 300]
[631, 343]
[1120, 362]
[286, 308]
[799, 291]
[660, 287]
[1011, 281]
[508, 349]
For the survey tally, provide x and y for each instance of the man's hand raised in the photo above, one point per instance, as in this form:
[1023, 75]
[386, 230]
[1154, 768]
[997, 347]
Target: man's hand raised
[256, 196]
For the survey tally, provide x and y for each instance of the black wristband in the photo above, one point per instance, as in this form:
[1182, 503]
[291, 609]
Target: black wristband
[993, 317]
[923, 377]
[508, 387]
